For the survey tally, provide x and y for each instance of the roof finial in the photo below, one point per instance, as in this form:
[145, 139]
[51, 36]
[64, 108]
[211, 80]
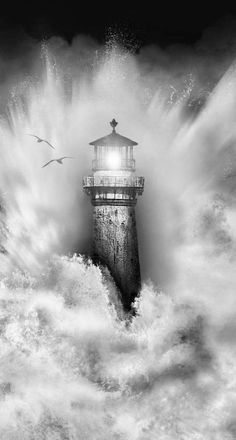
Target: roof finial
[113, 124]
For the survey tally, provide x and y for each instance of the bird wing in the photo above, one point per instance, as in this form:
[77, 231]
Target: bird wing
[34, 136]
[66, 157]
[53, 160]
[50, 145]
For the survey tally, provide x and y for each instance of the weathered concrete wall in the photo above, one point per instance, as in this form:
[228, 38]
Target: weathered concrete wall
[115, 244]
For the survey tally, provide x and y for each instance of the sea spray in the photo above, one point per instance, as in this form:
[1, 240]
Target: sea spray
[73, 365]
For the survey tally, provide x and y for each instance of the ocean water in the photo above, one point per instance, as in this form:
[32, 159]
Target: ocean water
[73, 364]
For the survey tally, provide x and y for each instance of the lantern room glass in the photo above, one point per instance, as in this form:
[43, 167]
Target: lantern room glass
[113, 157]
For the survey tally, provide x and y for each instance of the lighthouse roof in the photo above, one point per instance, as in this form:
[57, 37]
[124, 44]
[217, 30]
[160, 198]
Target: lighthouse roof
[114, 139]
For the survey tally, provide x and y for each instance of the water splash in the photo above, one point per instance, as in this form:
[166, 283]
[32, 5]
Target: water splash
[72, 364]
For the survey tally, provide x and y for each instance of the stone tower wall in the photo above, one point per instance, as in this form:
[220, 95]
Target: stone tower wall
[115, 244]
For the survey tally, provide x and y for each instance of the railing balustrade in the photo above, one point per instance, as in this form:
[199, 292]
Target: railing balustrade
[118, 181]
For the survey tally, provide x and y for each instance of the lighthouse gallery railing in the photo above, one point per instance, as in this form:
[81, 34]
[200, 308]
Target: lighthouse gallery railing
[118, 181]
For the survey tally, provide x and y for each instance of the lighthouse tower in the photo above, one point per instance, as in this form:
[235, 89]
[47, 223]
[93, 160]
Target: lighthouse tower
[113, 189]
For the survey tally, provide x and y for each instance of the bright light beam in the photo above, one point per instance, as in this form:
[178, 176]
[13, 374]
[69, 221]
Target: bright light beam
[113, 160]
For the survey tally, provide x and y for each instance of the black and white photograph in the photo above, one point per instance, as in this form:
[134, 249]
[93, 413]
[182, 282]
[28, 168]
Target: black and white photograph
[117, 221]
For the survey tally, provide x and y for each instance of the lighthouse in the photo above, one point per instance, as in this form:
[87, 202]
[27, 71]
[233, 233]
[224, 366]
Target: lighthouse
[113, 188]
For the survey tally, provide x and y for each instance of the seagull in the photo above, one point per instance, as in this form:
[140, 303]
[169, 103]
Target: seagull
[59, 160]
[42, 140]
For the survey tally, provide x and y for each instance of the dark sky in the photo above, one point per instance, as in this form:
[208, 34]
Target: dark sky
[165, 22]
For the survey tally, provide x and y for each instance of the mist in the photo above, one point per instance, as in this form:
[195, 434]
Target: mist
[73, 365]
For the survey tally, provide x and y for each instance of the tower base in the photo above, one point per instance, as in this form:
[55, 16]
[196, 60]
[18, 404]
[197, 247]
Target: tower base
[115, 245]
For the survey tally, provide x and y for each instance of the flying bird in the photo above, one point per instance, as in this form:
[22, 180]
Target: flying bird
[42, 140]
[59, 160]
